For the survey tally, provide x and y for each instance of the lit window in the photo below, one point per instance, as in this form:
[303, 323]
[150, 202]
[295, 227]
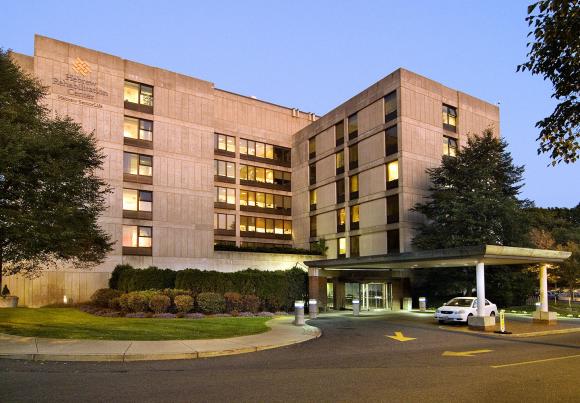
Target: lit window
[260, 224]
[138, 93]
[312, 147]
[137, 236]
[145, 165]
[340, 161]
[279, 227]
[138, 128]
[341, 247]
[131, 93]
[353, 183]
[136, 164]
[354, 214]
[340, 220]
[449, 146]
[225, 195]
[260, 175]
[260, 150]
[392, 174]
[287, 227]
[137, 200]
[449, 117]
[313, 198]
[269, 151]
[243, 146]
[260, 200]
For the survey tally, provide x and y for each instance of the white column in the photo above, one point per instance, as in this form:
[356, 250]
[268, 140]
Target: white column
[480, 285]
[544, 288]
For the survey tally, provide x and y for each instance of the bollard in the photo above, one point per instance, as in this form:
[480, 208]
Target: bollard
[299, 313]
[502, 323]
[355, 307]
[313, 308]
[422, 304]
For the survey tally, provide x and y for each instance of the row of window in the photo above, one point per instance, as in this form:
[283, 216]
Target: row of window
[264, 175]
[245, 244]
[262, 225]
[252, 198]
[252, 148]
[392, 216]
[392, 172]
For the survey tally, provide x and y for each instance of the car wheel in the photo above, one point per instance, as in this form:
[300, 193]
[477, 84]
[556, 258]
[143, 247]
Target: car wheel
[468, 316]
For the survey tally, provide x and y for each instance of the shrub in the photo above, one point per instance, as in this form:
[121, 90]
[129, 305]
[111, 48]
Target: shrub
[115, 303]
[124, 303]
[159, 303]
[233, 301]
[183, 303]
[5, 291]
[127, 278]
[211, 302]
[172, 293]
[250, 303]
[103, 296]
[138, 302]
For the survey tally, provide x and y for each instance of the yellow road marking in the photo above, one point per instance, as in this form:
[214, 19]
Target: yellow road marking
[535, 361]
[464, 353]
[400, 337]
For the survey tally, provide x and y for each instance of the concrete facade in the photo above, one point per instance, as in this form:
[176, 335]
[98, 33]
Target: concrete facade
[259, 147]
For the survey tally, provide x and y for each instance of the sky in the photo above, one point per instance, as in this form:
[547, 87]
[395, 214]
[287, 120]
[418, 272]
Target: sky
[314, 55]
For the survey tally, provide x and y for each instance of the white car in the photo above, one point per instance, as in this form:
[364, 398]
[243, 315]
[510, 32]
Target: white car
[461, 308]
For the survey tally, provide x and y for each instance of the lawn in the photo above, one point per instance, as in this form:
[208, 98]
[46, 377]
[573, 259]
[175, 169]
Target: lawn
[70, 323]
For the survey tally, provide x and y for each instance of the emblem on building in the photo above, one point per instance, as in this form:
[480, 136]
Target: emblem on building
[81, 67]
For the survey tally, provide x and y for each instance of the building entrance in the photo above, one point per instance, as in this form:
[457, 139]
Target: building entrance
[376, 296]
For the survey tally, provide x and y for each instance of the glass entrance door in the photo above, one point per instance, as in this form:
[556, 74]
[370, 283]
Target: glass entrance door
[375, 296]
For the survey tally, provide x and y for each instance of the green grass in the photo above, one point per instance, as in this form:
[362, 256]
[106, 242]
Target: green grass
[562, 308]
[70, 323]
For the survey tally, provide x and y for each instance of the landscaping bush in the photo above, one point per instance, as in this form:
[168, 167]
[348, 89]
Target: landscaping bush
[103, 296]
[172, 293]
[115, 303]
[250, 303]
[183, 303]
[138, 302]
[126, 278]
[211, 302]
[159, 303]
[233, 301]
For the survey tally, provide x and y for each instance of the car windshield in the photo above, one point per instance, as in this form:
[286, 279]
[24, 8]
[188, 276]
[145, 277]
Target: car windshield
[459, 302]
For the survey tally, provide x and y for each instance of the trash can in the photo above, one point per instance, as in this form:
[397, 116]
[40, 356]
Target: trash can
[299, 313]
[355, 307]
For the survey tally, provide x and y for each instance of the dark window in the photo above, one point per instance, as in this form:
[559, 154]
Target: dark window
[224, 222]
[340, 191]
[354, 217]
[341, 220]
[392, 209]
[391, 106]
[340, 162]
[391, 143]
[222, 242]
[224, 168]
[393, 245]
[354, 246]
[353, 187]
[449, 118]
[312, 147]
[352, 126]
[312, 174]
[353, 157]
[449, 146]
[312, 226]
[339, 132]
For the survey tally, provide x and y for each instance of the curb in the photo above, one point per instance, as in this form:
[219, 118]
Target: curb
[311, 331]
[516, 335]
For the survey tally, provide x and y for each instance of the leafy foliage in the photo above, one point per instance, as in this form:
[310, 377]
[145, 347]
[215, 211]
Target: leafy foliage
[553, 54]
[50, 194]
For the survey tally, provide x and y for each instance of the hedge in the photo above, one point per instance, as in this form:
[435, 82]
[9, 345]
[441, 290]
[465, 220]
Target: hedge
[276, 289]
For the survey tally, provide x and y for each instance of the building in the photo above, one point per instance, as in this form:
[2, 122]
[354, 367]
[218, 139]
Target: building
[181, 153]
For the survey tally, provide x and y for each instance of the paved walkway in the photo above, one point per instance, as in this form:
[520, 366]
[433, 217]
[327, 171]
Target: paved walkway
[282, 333]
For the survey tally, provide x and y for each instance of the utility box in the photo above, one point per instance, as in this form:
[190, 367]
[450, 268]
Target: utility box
[407, 304]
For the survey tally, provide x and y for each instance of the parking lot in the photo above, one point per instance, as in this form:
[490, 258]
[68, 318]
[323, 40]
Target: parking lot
[385, 357]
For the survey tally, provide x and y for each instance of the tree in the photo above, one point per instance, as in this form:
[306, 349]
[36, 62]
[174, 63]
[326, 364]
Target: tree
[553, 54]
[568, 272]
[473, 198]
[473, 201]
[50, 194]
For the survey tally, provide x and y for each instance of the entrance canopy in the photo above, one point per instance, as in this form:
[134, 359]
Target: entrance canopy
[452, 257]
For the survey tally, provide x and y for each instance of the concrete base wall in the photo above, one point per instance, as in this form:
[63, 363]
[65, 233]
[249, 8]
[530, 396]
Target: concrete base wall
[51, 286]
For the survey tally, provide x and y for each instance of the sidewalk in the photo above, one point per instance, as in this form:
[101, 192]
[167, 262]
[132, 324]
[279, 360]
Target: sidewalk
[282, 333]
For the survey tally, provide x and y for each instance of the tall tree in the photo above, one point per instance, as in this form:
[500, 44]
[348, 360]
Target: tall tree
[474, 201]
[50, 194]
[553, 54]
[568, 272]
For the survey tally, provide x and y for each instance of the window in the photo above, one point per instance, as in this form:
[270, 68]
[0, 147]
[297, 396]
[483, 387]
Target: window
[449, 146]
[313, 200]
[391, 143]
[225, 169]
[139, 129]
[352, 126]
[449, 118]
[225, 143]
[391, 106]
[353, 157]
[140, 94]
[137, 164]
[312, 226]
[137, 200]
[136, 236]
[264, 175]
[312, 174]
[353, 187]
[354, 246]
[225, 195]
[224, 222]
[339, 132]
[392, 175]
[392, 209]
[393, 245]
[264, 225]
[264, 151]
[341, 247]
[340, 162]
[354, 217]
[340, 191]
[341, 220]
[312, 147]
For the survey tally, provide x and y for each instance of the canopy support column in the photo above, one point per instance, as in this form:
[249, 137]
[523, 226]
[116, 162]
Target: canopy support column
[481, 321]
[543, 315]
